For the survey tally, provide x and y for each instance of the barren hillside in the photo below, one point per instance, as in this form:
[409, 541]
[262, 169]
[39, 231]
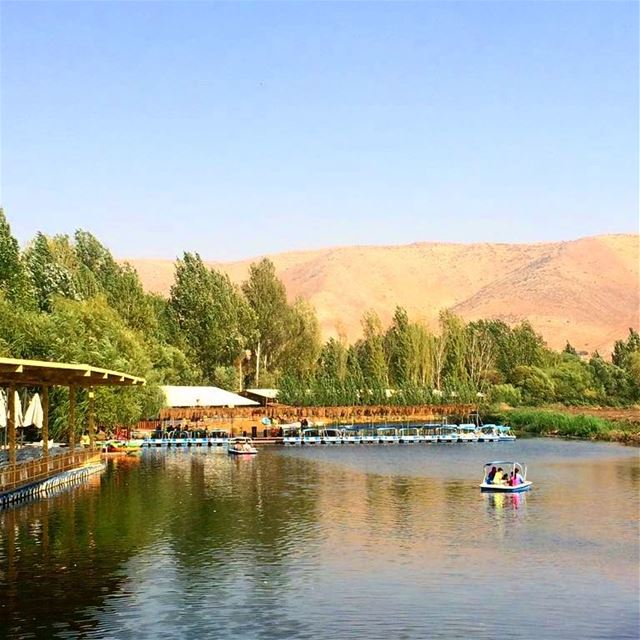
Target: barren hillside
[586, 291]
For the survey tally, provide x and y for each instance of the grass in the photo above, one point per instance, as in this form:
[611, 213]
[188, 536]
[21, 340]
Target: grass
[543, 422]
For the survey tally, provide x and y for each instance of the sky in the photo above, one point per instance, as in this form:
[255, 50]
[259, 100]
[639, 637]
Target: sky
[239, 129]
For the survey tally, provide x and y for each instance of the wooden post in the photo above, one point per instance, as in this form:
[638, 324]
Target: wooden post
[92, 419]
[72, 417]
[45, 420]
[11, 424]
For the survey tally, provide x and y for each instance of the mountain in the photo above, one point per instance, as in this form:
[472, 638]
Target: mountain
[585, 291]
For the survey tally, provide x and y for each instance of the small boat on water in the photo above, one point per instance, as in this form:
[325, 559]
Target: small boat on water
[122, 446]
[330, 436]
[504, 433]
[467, 432]
[409, 435]
[241, 447]
[448, 434]
[387, 435]
[311, 436]
[492, 482]
[488, 433]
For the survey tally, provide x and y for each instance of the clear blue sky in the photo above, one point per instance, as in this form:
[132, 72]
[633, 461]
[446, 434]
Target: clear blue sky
[236, 129]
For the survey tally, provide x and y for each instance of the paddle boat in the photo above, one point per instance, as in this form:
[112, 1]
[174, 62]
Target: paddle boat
[408, 435]
[430, 432]
[330, 436]
[508, 467]
[241, 447]
[350, 434]
[488, 433]
[122, 446]
[387, 435]
[291, 435]
[368, 435]
[448, 434]
[310, 436]
[504, 433]
[467, 432]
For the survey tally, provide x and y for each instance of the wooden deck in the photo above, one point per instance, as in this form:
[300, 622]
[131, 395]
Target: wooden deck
[21, 474]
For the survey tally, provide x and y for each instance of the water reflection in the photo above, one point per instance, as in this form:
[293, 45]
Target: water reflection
[326, 544]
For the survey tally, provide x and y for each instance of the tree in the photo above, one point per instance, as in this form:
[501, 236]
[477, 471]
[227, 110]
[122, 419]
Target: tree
[453, 333]
[622, 349]
[212, 315]
[302, 347]
[99, 272]
[398, 346]
[48, 277]
[373, 361]
[480, 354]
[14, 282]
[536, 385]
[267, 298]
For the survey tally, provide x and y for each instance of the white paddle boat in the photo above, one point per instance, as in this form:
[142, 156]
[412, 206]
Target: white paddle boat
[241, 447]
[495, 471]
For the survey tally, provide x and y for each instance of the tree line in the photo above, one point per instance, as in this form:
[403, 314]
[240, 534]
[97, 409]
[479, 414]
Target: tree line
[66, 298]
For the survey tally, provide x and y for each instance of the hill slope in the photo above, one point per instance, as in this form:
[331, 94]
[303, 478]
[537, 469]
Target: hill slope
[585, 291]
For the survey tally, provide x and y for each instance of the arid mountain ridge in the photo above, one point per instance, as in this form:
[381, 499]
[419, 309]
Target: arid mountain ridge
[586, 291]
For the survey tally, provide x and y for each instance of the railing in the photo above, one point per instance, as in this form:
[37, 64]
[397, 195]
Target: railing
[14, 476]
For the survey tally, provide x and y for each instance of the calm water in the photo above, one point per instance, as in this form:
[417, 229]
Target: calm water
[345, 542]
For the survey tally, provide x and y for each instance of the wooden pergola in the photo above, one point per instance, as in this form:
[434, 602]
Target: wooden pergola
[35, 373]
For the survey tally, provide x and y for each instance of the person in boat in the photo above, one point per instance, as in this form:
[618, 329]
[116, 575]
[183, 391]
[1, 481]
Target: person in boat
[498, 476]
[491, 476]
[517, 477]
[246, 446]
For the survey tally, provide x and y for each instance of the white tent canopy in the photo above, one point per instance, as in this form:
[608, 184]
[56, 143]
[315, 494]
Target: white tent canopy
[203, 397]
[34, 414]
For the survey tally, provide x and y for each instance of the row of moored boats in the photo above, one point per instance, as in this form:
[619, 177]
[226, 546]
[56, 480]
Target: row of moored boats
[295, 434]
[422, 434]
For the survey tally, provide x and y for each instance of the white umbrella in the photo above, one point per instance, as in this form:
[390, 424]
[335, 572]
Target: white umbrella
[18, 411]
[34, 414]
[3, 409]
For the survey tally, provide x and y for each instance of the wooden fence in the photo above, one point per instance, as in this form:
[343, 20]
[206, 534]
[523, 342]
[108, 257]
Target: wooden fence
[14, 476]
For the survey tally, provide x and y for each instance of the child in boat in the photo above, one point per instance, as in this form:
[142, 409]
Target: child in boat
[517, 478]
[491, 476]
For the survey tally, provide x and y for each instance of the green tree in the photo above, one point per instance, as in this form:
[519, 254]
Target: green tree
[49, 277]
[535, 384]
[212, 315]
[622, 350]
[302, 347]
[399, 348]
[372, 357]
[267, 299]
[98, 271]
[14, 281]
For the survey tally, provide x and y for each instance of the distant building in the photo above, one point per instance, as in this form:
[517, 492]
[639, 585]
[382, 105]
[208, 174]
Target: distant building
[188, 397]
[263, 396]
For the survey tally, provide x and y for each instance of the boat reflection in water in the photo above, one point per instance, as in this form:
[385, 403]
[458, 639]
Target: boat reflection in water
[501, 501]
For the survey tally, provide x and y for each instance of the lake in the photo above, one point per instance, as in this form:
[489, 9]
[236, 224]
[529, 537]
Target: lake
[331, 542]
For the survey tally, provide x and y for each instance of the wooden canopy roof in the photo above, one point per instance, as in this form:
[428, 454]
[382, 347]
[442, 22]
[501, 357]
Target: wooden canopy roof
[37, 372]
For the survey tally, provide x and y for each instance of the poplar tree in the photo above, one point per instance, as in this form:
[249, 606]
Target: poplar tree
[14, 281]
[267, 298]
[212, 315]
[48, 277]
